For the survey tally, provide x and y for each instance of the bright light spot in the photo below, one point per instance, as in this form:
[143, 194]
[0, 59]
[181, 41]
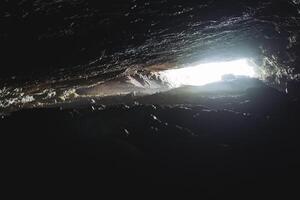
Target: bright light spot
[206, 73]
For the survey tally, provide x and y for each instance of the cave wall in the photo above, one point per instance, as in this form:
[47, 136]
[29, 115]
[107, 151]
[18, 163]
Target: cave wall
[72, 39]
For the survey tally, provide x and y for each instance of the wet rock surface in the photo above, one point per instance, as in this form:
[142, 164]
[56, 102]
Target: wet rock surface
[51, 49]
[254, 143]
[98, 39]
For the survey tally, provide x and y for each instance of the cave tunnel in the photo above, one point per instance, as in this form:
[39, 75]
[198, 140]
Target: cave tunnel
[163, 92]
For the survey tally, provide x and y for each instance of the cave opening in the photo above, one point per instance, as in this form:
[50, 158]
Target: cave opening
[202, 74]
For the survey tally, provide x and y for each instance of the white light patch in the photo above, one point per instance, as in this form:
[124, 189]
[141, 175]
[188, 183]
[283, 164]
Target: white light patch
[206, 73]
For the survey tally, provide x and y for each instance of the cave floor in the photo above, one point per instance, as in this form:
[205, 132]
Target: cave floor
[223, 142]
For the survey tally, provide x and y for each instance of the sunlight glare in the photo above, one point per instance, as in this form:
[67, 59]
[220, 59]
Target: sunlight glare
[206, 73]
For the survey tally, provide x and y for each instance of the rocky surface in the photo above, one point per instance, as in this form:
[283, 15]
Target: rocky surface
[225, 144]
[54, 47]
